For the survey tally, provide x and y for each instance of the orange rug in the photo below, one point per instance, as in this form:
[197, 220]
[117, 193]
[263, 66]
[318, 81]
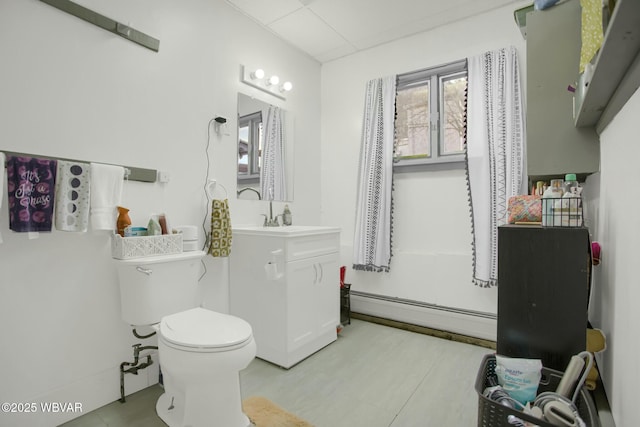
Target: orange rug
[264, 413]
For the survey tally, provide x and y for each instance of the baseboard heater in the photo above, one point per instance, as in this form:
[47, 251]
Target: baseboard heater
[469, 323]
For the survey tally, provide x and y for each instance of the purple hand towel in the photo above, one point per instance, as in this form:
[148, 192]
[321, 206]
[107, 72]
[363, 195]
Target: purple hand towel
[30, 190]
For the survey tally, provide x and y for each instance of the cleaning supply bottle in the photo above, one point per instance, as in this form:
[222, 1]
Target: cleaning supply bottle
[153, 228]
[286, 216]
[570, 181]
[571, 202]
[162, 220]
[552, 203]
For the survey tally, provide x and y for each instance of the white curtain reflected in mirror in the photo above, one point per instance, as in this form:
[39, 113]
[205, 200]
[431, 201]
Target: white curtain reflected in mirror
[265, 151]
[272, 176]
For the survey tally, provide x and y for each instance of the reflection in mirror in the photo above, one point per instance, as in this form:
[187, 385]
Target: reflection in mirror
[265, 151]
[249, 146]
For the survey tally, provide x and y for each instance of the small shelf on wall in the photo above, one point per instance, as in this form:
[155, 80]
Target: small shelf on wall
[520, 16]
[616, 71]
[106, 23]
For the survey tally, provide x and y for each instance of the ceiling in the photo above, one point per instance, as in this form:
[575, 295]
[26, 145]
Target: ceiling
[330, 29]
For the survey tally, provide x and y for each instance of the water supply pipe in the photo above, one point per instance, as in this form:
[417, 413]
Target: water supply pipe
[135, 333]
[134, 366]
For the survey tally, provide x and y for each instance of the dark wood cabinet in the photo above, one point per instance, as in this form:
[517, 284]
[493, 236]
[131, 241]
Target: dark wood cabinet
[543, 292]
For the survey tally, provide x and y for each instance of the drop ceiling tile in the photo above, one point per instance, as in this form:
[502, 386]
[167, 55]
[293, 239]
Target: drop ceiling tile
[328, 29]
[408, 28]
[339, 52]
[266, 12]
[305, 30]
[356, 19]
[367, 23]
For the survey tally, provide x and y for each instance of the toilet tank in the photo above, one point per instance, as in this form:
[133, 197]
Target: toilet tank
[156, 286]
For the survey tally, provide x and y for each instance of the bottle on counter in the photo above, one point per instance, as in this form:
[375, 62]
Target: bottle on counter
[153, 228]
[571, 202]
[162, 220]
[123, 220]
[286, 216]
[570, 182]
[552, 204]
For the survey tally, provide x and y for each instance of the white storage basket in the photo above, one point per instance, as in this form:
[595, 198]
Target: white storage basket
[142, 246]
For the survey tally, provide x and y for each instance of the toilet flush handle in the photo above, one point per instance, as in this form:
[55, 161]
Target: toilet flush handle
[146, 271]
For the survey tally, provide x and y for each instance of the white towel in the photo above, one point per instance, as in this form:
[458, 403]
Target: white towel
[106, 191]
[2, 184]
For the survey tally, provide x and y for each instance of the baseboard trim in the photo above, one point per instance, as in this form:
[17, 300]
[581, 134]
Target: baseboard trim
[424, 330]
[445, 322]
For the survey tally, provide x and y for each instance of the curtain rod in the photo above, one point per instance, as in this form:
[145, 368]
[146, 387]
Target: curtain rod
[131, 173]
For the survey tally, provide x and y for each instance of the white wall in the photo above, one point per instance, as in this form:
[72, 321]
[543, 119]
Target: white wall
[71, 89]
[615, 292]
[432, 258]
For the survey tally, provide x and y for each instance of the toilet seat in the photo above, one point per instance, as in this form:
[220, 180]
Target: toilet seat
[202, 330]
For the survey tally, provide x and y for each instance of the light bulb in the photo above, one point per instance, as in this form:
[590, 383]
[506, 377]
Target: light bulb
[286, 87]
[257, 74]
[273, 80]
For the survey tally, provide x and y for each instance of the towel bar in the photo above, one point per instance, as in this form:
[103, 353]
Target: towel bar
[132, 173]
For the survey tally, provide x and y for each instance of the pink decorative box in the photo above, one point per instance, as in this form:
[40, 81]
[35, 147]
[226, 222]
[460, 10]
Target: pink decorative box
[524, 208]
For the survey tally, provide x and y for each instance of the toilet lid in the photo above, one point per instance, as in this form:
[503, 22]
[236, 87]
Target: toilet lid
[203, 328]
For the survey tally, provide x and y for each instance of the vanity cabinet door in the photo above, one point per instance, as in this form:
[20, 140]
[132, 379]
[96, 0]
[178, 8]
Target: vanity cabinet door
[328, 294]
[287, 287]
[313, 305]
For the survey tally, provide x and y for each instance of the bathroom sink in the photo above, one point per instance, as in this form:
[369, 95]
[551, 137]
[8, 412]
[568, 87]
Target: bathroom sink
[291, 230]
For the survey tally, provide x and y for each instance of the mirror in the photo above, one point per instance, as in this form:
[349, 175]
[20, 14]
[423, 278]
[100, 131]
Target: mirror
[265, 136]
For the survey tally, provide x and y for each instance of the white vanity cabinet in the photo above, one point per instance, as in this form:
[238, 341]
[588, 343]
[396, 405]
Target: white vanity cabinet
[285, 281]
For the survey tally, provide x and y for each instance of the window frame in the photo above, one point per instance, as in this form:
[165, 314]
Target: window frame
[434, 76]
[253, 122]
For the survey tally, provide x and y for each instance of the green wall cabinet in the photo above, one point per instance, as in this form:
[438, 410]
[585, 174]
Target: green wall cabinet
[554, 145]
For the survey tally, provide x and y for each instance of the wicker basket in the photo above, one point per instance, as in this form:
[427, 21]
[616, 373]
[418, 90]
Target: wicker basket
[143, 246]
[493, 414]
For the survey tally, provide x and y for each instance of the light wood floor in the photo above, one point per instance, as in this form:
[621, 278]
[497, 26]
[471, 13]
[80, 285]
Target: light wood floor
[372, 376]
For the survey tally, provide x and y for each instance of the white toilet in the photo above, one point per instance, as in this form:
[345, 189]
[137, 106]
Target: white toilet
[201, 352]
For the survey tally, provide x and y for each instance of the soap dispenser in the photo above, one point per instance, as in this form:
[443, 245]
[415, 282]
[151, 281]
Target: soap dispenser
[286, 216]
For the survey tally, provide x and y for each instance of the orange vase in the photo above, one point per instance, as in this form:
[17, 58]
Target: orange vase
[123, 220]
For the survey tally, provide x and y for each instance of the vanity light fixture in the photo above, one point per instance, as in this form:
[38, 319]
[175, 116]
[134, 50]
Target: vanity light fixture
[257, 74]
[286, 87]
[255, 77]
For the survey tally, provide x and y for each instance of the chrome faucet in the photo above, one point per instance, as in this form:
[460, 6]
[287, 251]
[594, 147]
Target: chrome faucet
[270, 221]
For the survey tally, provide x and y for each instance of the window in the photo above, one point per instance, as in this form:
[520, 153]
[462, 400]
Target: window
[430, 115]
[249, 146]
